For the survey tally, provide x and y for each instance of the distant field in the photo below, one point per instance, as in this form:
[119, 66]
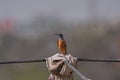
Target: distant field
[24, 72]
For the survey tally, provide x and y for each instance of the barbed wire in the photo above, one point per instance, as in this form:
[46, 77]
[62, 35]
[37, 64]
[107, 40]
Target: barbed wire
[43, 60]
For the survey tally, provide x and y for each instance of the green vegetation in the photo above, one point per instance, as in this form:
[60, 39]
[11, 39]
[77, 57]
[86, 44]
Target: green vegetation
[26, 72]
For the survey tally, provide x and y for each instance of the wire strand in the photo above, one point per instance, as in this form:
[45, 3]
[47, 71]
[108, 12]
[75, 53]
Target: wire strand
[43, 60]
[75, 70]
[22, 61]
[98, 60]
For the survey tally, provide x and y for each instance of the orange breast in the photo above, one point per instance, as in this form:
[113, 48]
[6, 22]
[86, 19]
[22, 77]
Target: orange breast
[61, 46]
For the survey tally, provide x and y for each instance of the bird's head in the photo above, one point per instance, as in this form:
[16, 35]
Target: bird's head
[60, 36]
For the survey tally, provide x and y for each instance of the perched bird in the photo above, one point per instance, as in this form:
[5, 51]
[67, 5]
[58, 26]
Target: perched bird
[61, 44]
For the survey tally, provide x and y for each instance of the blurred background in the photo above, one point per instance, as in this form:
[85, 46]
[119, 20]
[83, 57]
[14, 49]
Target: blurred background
[91, 29]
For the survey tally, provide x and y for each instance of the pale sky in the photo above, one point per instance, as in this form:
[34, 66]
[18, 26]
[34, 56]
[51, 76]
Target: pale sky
[66, 9]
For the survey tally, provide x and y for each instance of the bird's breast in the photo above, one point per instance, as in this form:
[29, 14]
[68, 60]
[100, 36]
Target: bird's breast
[62, 46]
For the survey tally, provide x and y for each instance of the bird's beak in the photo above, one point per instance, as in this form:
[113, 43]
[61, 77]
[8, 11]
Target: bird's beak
[58, 33]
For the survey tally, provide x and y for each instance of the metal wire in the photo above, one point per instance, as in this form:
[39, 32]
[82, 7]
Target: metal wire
[98, 60]
[43, 60]
[22, 61]
[76, 71]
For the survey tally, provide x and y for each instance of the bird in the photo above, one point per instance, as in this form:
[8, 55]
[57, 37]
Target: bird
[61, 44]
